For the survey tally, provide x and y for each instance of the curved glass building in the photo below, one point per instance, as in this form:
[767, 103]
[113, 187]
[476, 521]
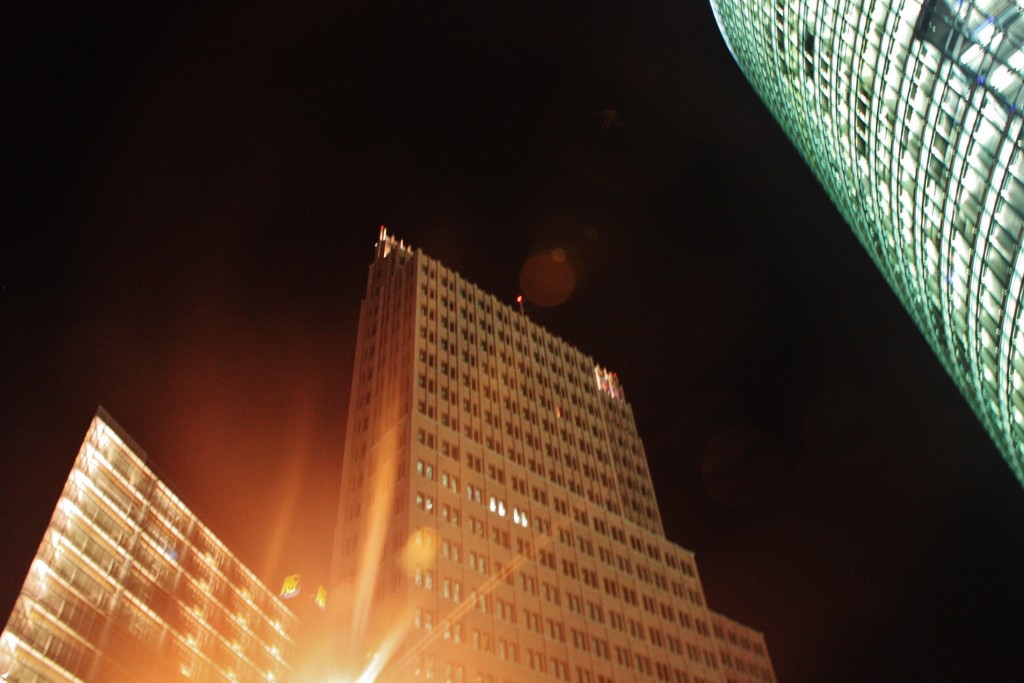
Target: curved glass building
[909, 113]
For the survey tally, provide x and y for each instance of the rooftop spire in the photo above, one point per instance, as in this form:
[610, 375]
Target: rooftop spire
[386, 243]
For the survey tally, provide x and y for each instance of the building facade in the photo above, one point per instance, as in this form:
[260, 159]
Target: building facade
[909, 113]
[129, 585]
[497, 521]
[742, 651]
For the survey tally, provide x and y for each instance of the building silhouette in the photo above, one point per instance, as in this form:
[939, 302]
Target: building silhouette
[129, 585]
[909, 113]
[497, 520]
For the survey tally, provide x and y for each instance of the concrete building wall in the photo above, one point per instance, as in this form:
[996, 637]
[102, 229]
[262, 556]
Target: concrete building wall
[498, 519]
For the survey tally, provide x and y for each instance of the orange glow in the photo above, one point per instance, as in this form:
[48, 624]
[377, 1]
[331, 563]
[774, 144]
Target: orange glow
[420, 550]
[493, 581]
[298, 451]
[376, 532]
[548, 278]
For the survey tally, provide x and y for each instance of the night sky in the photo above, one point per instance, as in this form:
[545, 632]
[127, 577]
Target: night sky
[192, 200]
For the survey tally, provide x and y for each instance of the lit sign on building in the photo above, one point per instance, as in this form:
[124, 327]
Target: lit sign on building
[292, 587]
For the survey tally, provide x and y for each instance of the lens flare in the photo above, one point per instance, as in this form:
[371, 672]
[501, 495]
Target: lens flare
[548, 278]
[420, 551]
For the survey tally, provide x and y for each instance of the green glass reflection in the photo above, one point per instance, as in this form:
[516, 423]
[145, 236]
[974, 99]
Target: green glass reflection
[908, 112]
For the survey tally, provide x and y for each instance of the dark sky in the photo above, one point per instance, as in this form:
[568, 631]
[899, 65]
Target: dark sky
[192, 200]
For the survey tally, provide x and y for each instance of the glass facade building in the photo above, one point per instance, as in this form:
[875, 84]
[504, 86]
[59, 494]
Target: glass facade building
[909, 113]
[128, 585]
[497, 521]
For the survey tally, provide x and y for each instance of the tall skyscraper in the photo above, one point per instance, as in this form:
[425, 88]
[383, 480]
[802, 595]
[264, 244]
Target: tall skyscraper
[128, 585]
[497, 521]
[909, 113]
